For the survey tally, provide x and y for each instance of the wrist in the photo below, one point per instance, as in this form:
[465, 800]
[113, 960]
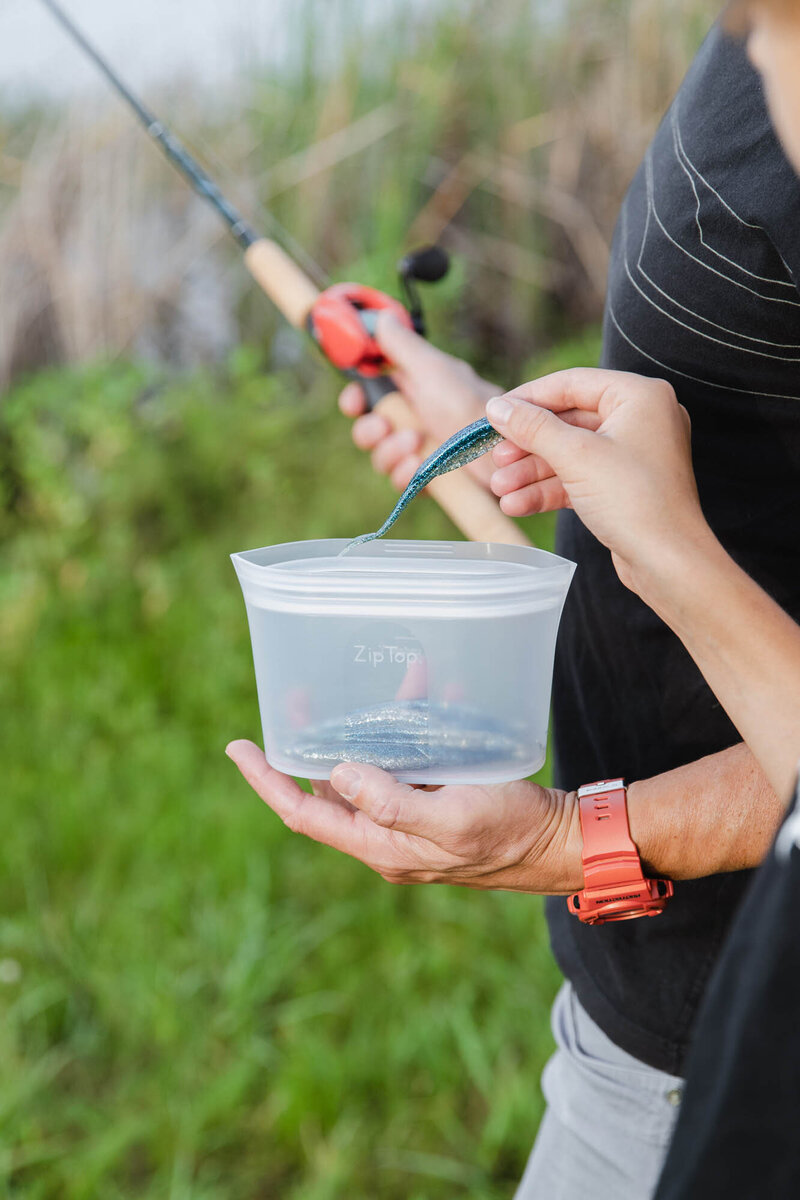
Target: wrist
[616, 886]
[553, 865]
[573, 845]
[668, 573]
[648, 829]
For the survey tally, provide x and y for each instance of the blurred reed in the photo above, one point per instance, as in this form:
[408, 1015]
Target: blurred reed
[506, 133]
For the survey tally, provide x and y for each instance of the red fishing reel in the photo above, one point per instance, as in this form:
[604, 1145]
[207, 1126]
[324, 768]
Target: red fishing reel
[342, 322]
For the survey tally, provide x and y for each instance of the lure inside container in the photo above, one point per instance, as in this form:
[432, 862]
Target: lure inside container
[432, 660]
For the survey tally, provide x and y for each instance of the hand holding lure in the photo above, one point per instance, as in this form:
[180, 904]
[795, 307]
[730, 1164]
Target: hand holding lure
[462, 448]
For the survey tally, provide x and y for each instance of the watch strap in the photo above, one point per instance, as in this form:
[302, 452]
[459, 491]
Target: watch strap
[615, 886]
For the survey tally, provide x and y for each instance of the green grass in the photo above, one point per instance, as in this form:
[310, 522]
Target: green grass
[194, 1002]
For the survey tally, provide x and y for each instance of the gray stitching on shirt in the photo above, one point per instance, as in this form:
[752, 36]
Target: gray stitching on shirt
[725, 387]
[680, 154]
[724, 202]
[707, 266]
[697, 332]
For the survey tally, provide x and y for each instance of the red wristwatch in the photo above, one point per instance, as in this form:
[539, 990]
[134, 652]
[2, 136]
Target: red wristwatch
[615, 888]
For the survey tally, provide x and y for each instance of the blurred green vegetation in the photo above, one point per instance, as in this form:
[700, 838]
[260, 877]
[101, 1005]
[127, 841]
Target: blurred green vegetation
[194, 1002]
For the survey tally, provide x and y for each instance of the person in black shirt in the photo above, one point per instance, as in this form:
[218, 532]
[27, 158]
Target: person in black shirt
[703, 293]
[737, 1132]
[627, 475]
[736, 1135]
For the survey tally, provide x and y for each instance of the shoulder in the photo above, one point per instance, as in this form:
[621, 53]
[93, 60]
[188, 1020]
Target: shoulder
[720, 129]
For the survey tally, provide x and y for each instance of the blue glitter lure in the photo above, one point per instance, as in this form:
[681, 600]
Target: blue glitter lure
[469, 443]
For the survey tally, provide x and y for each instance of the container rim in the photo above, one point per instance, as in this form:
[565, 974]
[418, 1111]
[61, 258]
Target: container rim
[413, 569]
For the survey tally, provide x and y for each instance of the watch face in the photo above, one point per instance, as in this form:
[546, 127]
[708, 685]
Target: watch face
[618, 908]
[631, 914]
[651, 908]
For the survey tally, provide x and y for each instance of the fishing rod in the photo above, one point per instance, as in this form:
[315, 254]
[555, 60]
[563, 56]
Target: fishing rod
[340, 317]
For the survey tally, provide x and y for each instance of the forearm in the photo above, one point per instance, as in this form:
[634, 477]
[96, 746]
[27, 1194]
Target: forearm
[716, 814]
[713, 815]
[627, 474]
[746, 646]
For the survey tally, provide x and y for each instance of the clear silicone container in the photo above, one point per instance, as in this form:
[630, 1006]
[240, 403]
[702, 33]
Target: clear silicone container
[433, 660]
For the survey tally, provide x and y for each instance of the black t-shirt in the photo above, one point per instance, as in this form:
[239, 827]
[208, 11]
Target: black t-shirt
[703, 291]
[738, 1132]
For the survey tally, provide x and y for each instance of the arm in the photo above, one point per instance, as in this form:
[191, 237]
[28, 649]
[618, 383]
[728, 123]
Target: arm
[627, 473]
[718, 814]
[746, 646]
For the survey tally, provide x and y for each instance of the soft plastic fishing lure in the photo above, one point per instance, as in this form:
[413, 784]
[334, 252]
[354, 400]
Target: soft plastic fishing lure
[405, 735]
[469, 443]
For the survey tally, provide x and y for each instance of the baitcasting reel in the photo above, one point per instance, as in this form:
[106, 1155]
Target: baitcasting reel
[342, 319]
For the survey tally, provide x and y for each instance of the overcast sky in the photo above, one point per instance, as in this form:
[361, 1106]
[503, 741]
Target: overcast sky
[150, 40]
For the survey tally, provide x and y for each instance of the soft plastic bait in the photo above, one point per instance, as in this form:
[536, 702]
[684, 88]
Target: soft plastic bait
[468, 444]
[408, 735]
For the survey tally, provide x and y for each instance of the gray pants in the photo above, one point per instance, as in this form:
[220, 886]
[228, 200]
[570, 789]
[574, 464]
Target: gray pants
[609, 1117]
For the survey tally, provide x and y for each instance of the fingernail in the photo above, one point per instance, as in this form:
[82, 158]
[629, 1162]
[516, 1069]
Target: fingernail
[346, 781]
[499, 410]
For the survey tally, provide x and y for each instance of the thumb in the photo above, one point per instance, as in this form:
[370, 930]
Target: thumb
[401, 345]
[536, 430]
[393, 805]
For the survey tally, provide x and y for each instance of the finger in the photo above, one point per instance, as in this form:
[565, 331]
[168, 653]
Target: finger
[581, 419]
[332, 823]
[401, 345]
[321, 788]
[590, 388]
[392, 805]
[547, 496]
[369, 430]
[402, 473]
[526, 471]
[414, 684]
[352, 401]
[506, 453]
[392, 449]
[280, 792]
[536, 429]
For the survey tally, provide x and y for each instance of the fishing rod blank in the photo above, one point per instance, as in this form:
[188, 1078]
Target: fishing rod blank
[177, 153]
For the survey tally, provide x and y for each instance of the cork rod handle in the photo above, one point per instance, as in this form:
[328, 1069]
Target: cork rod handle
[473, 510]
